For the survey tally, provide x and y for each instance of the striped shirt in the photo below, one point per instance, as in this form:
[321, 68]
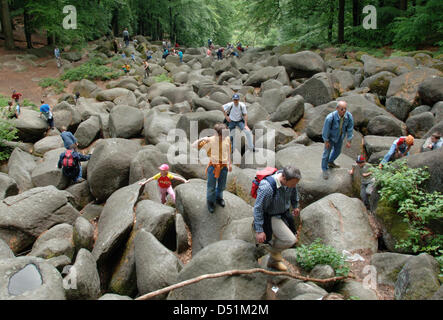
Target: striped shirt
[275, 206]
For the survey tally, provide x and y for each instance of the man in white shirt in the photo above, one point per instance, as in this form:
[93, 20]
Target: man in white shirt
[236, 116]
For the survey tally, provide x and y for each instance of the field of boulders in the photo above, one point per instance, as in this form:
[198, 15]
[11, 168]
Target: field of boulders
[110, 238]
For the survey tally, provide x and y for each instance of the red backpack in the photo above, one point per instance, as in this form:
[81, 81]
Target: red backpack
[68, 159]
[259, 176]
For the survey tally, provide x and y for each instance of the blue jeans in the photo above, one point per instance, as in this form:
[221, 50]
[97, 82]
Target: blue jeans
[215, 187]
[329, 155]
[241, 124]
[79, 173]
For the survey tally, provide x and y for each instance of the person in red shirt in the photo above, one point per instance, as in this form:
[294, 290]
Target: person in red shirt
[164, 180]
[16, 95]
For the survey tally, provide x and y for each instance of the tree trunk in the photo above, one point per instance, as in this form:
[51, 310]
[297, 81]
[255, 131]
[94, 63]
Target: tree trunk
[331, 21]
[355, 13]
[341, 21]
[28, 30]
[403, 4]
[7, 26]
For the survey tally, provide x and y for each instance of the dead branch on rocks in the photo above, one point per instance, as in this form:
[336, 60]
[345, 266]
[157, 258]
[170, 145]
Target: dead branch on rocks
[234, 273]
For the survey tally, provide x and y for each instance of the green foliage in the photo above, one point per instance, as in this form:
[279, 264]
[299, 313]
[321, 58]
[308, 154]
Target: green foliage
[3, 101]
[317, 253]
[56, 84]
[91, 71]
[400, 187]
[163, 78]
[8, 132]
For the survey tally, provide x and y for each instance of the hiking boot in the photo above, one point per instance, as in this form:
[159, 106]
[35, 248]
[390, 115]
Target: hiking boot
[325, 175]
[221, 202]
[275, 262]
[79, 180]
[211, 207]
[333, 165]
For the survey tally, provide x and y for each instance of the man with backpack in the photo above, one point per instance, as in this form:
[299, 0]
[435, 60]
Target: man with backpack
[273, 222]
[126, 37]
[236, 116]
[68, 138]
[69, 162]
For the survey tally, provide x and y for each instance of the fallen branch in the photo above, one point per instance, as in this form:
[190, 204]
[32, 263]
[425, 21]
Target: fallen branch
[234, 273]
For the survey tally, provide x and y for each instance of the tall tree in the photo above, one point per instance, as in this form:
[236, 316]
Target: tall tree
[341, 21]
[6, 25]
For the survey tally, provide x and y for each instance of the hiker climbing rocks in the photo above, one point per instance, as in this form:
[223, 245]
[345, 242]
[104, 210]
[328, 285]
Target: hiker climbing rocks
[180, 54]
[236, 116]
[76, 97]
[273, 219]
[46, 112]
[147, 68]
[164, 179]
[68, 138]
[16, 96]
[338, 125]
[126, 68]
[69, 162]
[367, 182]
[218, 148]
[165, 53]
[148, 55]
[220, 53]
[399, 149]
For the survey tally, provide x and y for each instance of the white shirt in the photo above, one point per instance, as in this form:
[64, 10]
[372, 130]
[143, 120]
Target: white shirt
[236, 112]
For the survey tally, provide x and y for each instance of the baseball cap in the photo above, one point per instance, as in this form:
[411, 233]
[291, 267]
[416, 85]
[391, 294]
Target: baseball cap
[164, 167]
[236, 97]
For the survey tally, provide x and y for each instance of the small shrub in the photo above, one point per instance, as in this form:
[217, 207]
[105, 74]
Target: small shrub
[91, 71]
[7, 132]
[318, 253]
[58, 85]
[163, 78]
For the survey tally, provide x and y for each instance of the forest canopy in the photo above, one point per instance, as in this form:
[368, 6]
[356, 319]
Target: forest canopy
[306, 23]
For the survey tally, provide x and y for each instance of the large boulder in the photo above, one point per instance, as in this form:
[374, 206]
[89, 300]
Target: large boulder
[388, 266]
[108, 168]
[218, 257]
[145, 164]
[195, 122]
[66, 115]
[156, 266]
[272, 98]
[115, 223]
[112, 94]
[431, 90]
[432, 160]
[8, 187]
[420, 124]
[47, 172]
[30, 278]
[20, 167]
[418, 279]
[159, 88]
[86, 88]
[407, 85]
[397, 65]
[266, 73]
[312, 186]
[87, 280]
[88, 131]
[158, 125]
[379, 82]
[46, 144]
[384, 126]
[57, 241]
[90, 107]
[5, 251]
[302, 64]
[81, 193]
[205, 227]
[352, 288]
[339, 221]
[399, 107]
[276, 130]
[125, 122]
[20, 226]
[31, 127]
[319, 89]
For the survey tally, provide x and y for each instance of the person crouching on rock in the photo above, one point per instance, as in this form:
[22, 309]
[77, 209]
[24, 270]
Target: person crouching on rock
[164, 179]
[399, 149]
[273, 221]
[218, 149]
[69, 162]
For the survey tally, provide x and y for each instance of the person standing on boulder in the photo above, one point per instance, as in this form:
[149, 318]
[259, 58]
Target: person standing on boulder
[338, 125]
[273, 219]
[126, 37]
[236, 116]
[218, 149]
[57, 57]
[46, 112]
